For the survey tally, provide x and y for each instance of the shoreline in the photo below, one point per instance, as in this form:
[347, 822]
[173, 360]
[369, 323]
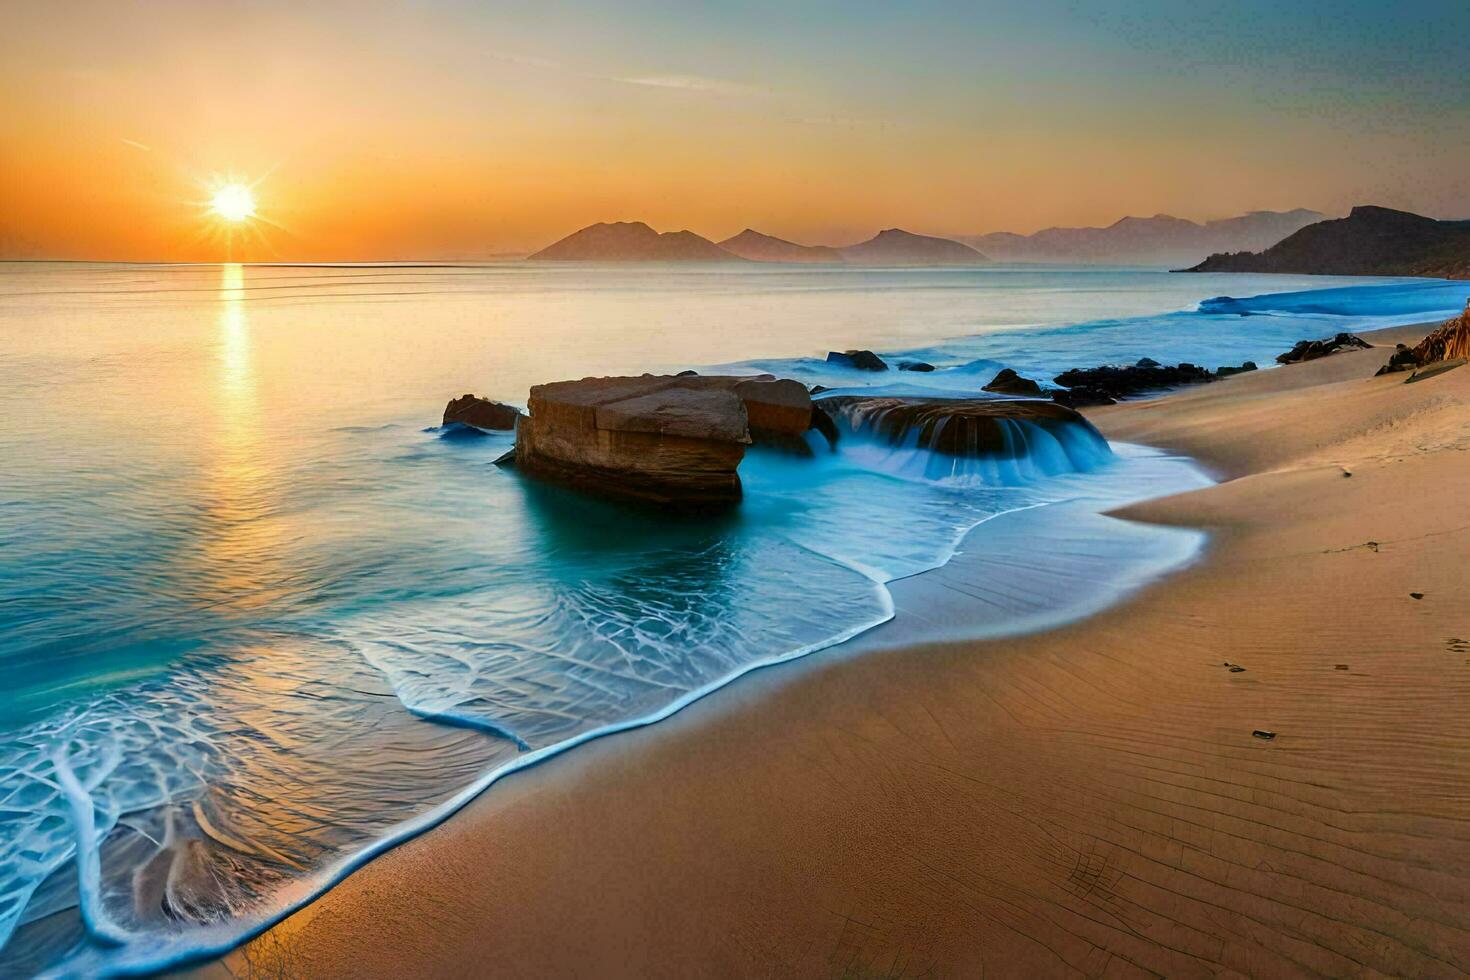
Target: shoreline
[1146, 554]
[757, 831]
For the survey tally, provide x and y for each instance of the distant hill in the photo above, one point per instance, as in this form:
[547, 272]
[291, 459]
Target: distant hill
[752, 245]
[633, 241]
[898, 247]
[1371, 241]
[1160, 240]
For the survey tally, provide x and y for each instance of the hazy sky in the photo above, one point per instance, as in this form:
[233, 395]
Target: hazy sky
[459, 129]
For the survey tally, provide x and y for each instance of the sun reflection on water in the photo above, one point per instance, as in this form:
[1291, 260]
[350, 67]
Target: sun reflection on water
[243, 536]
[236, 374]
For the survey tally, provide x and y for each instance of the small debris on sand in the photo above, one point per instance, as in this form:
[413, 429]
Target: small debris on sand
[1416, 595]
[1259, 733]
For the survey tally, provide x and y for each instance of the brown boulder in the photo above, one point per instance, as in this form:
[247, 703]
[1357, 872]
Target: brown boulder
[482, 413]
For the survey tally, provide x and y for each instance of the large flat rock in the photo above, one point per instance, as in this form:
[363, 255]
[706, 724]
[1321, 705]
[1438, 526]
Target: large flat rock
[655, 439]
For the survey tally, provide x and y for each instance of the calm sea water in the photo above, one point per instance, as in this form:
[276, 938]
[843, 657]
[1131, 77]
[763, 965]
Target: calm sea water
[259, 617]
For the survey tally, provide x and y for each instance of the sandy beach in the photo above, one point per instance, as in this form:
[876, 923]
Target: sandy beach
[1091, 800]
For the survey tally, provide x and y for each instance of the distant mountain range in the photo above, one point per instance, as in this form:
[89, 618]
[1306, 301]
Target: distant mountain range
[1160, 240]
[634, 241]
[1371, 241]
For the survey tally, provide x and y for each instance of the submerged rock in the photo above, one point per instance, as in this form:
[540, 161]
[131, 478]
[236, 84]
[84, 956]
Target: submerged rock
[1310, 350]
[862, 360]
[482, 413]
[659, 440]
[1008, 382]
[915, 366]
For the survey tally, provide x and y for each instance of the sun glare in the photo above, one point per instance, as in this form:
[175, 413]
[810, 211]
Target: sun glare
[233, 202]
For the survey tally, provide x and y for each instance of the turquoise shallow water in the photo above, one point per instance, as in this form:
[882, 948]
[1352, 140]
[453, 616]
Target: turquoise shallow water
[259, 616]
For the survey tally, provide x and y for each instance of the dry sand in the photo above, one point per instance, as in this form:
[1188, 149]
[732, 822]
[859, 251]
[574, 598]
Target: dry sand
[1088, 800]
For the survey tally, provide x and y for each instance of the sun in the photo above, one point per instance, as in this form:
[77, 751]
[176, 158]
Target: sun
[233, 202]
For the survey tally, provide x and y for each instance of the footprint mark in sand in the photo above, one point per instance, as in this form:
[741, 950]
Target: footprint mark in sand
[1456, 645]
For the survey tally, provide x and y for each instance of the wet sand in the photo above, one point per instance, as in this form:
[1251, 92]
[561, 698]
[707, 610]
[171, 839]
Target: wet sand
[1090, 800]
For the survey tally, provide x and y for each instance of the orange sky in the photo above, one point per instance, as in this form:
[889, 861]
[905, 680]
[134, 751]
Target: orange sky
[442, 130]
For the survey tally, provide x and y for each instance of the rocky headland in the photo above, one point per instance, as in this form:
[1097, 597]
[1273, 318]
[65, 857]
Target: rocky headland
[1160, 240]
[1371, 241]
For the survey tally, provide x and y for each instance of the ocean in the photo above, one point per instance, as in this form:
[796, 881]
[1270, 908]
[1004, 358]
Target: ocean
[261, 617]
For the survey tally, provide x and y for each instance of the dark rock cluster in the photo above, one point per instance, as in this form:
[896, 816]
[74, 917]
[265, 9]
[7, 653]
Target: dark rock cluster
[1227, 371]
[1106, 384]
[1450, 341]
[1310, 350]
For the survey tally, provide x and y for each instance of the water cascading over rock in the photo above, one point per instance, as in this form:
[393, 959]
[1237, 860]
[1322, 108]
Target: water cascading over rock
[1010, 440]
